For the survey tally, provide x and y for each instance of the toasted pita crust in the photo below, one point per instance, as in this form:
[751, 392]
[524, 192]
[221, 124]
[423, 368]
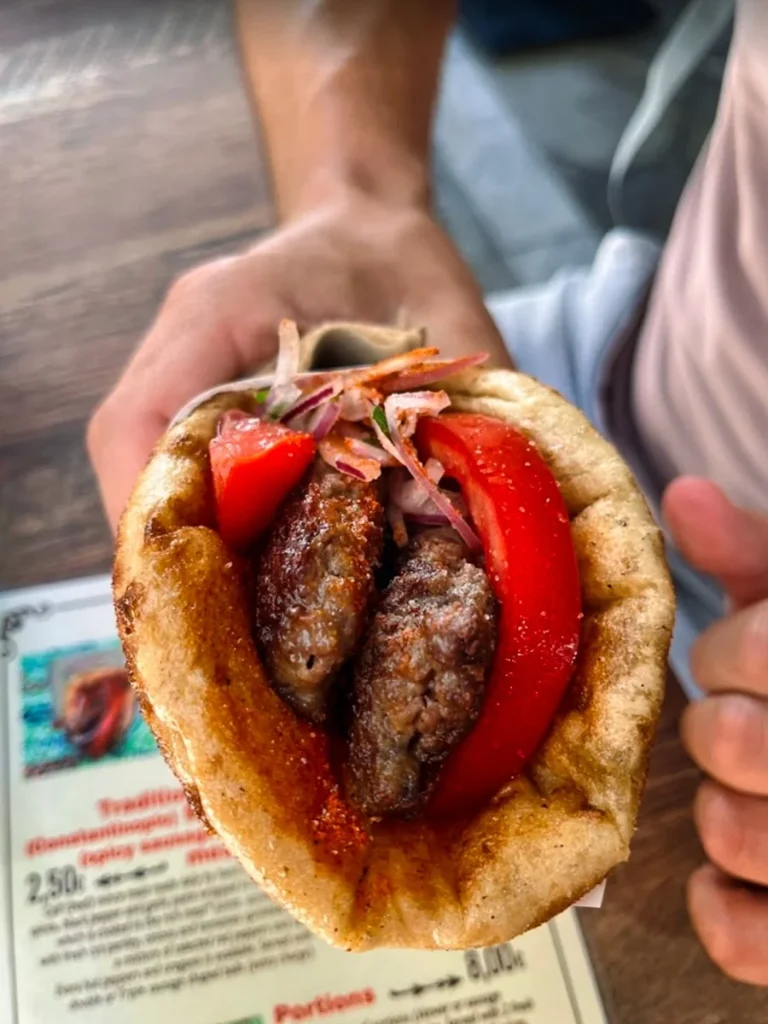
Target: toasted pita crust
[259, 776]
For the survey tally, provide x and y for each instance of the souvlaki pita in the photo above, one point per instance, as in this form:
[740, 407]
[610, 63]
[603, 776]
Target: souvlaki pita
[401, 632]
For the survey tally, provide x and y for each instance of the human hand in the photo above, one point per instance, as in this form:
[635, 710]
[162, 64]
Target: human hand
[726, 733]
[353, 258]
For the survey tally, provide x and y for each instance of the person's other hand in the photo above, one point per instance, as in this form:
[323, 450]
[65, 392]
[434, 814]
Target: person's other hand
[354, 258]
[726, 733]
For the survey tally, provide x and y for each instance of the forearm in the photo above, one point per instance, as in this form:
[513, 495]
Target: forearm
[345, 91]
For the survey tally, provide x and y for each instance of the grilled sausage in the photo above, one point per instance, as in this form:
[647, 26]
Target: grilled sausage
[420, 678]
[314, 583]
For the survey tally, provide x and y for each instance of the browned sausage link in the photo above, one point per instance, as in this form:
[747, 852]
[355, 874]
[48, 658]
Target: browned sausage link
[314, 582]
[420, 678]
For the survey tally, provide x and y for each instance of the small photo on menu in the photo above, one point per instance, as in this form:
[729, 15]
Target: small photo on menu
[78, 708]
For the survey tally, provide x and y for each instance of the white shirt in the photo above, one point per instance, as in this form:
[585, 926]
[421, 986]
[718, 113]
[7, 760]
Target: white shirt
[700, 381]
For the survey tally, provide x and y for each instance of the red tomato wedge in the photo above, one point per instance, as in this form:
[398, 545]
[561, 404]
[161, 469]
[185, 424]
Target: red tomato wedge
[255, 464]
[522, 520]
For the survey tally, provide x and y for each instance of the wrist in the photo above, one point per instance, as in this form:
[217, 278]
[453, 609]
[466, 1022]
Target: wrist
[396, 180]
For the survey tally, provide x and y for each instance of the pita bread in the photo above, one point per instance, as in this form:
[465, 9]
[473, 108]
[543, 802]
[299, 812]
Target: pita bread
[260, 777]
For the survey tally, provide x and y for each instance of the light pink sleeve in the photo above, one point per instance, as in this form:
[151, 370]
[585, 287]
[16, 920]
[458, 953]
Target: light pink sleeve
[700, 391]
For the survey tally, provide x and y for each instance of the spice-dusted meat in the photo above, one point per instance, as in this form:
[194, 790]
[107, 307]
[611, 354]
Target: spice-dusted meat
[420, 678]
[314, 583]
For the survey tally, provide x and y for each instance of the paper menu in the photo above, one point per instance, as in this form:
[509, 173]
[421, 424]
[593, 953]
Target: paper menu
[115, 905]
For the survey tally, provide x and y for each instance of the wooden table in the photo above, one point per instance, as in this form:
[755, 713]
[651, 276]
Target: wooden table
[128, 154]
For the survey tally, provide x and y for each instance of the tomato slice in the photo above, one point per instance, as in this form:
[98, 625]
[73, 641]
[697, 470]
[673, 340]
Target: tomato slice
[255, 464]
[521, 518]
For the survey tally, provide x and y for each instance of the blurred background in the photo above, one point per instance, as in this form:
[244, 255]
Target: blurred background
[128, 154]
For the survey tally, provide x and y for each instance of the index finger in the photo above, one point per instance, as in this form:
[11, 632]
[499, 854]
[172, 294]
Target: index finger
[732, 655]
[120, 439]
[191, 347]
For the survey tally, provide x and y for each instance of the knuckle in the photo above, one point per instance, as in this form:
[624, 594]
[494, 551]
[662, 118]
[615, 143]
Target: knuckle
[724, 946]
[728, 945]
[738, 736]
[728, 849]
[203, 290]
[106, 421]
[729, 922]
[753, 646]
[715, 929]
[721, 942]
[201, 279]
[190, 282]
[97, 428]
[722, 829]
[700, 660]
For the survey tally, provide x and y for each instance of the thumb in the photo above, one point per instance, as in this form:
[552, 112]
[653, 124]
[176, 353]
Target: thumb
[719, 538]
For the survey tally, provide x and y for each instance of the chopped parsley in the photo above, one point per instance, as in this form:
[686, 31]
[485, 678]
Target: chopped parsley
[261, 396]
[379, 417]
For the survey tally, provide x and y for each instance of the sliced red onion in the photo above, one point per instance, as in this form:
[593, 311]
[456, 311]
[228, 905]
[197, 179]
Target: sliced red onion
[430, 373]
[412, 498]
[405, 409]
[283, 394]
[430, 401]
[395, 364]
[355, 404]
[428, 519]
[345, 467]
[288, 353]
[385, 442]
[434, 470]
[281, 399]
[408, 494]
[323, 420]
[314, 399]
[401, 411]
[337, 453]
[372, 451]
